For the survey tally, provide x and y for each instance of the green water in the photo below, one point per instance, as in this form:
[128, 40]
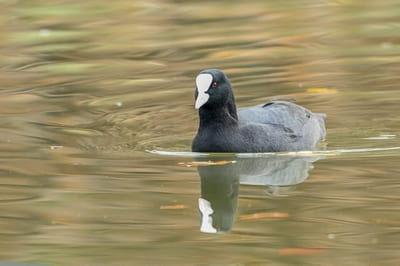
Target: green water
[89, 87]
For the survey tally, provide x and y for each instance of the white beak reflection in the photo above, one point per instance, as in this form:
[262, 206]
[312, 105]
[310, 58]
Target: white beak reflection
[206, 218]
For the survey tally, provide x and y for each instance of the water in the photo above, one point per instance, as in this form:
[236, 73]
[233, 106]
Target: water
[88, 88]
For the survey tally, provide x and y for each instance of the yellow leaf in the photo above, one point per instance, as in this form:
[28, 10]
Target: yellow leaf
[172, 207]
[301, 251]
[263, 215]
[321, 90]
[226, 54]
[209, 163]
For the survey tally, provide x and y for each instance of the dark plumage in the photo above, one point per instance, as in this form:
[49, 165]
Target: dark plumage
[270, 127]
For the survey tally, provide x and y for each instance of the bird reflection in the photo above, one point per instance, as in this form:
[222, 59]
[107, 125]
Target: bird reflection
[220, 185]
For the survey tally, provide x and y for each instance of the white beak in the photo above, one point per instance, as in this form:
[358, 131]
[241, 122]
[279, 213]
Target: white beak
[203, 82]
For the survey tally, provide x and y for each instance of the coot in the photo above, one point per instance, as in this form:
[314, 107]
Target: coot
[270, 127]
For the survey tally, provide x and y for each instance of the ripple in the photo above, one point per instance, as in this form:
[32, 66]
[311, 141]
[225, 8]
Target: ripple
[336, 152]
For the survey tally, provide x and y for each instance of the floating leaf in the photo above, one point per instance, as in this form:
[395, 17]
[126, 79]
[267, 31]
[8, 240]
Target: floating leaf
[208, 163]
[226, 54]
[172, 207]
[321, 90]
[263, 215]
[56, 147]
[301, 251]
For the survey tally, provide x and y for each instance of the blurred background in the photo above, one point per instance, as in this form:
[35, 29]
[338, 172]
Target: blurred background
[86, 87]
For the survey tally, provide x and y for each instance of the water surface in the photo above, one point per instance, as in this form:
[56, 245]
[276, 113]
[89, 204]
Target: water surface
[87, 88]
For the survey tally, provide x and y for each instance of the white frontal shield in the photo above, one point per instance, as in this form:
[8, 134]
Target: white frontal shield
[203, 82]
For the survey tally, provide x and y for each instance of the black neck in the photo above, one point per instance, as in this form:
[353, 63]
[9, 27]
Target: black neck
[221, 116]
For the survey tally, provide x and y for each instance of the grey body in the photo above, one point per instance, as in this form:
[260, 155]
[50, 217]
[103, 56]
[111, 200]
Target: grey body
[309, 128]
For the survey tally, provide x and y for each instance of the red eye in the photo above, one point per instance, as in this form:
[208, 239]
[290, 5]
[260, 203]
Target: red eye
[214, 85]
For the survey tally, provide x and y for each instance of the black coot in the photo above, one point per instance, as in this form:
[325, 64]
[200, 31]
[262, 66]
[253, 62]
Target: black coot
[270, 127]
